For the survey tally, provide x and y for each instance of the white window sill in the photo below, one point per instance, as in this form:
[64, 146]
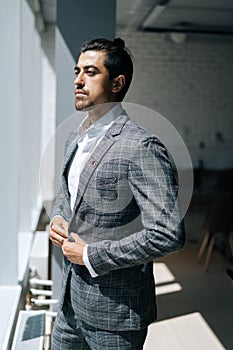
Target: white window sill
[9, 302]
[25, 241]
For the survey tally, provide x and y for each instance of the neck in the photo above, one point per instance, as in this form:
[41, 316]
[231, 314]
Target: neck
[97, 111]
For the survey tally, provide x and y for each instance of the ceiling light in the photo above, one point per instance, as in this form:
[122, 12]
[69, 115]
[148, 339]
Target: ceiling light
[155, 14]
[178, 38]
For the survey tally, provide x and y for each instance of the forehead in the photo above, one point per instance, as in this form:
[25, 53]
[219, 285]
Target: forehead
[90, 57]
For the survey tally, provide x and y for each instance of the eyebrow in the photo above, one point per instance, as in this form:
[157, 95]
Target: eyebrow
[87, 67]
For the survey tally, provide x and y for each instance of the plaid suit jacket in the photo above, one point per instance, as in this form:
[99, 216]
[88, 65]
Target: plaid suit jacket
[126, 210]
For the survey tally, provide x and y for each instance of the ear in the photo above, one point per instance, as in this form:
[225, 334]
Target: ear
[118, 83]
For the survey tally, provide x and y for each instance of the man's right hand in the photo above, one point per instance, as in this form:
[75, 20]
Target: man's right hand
[59, 231]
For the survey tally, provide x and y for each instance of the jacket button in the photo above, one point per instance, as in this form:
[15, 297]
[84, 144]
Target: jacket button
[93, 163]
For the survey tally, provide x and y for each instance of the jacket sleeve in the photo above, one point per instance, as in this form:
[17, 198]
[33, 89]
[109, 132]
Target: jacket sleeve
[152, 182]
[61, 207]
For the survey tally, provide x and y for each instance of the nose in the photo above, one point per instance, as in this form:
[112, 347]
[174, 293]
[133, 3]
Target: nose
[78, 81]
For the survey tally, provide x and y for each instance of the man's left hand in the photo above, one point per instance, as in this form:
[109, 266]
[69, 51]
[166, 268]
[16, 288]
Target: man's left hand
[74, 250]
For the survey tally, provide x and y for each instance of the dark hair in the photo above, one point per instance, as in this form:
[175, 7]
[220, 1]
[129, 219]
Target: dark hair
[118, 58]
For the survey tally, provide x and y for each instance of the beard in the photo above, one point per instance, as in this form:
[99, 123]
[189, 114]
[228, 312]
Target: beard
[82, 103]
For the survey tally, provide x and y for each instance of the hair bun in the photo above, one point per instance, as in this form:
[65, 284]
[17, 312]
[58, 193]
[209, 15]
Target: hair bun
[119, 43]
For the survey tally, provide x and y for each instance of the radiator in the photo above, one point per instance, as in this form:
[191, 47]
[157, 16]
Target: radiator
[30, 331]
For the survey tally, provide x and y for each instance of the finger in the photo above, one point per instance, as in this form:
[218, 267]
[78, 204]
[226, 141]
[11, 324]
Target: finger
[56, 242]
[77, 238]
[59, 230]
[66, 248]
[74, 236]
[56, 238]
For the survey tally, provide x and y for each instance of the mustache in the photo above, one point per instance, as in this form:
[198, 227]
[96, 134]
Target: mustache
[81, 89]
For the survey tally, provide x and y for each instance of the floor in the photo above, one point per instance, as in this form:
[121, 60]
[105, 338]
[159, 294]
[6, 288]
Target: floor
[208, 293]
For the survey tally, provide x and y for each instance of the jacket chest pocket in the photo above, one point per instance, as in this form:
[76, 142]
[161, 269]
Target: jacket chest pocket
[107, 188]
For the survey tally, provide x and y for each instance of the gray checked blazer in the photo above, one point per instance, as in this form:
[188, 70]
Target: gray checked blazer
[126, 210]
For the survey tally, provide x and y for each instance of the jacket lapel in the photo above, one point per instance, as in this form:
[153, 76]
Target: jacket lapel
[69, 155]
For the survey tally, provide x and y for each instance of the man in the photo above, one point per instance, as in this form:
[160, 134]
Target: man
[115, 213]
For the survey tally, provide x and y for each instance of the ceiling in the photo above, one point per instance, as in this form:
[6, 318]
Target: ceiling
[202, 16]
[213, 16]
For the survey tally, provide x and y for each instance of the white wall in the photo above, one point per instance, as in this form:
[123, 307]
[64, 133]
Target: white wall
[9, 140]
[27, 93]
[30, 118]
[38, 85]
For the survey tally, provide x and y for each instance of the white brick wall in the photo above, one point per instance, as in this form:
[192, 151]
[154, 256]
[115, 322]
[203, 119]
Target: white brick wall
[191, 85]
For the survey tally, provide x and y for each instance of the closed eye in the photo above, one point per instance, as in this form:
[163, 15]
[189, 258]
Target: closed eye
[76, 71]
[89, 70]
[91, 73]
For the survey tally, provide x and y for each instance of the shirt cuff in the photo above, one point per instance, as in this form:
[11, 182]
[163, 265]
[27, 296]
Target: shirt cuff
[87, 262]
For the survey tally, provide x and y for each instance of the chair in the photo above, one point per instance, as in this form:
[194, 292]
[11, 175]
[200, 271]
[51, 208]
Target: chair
[230, 273]
[218, 221]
